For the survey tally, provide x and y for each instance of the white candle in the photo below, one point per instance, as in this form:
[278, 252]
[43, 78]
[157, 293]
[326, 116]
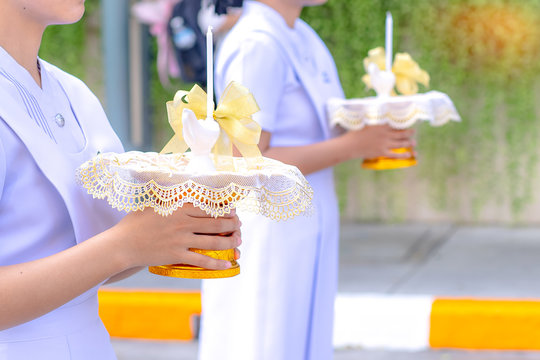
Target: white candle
[209, 74]
[388, 42]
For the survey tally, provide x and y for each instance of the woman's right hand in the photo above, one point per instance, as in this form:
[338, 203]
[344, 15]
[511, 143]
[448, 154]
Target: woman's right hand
[31, 289]
[147, 238]
[378, 140]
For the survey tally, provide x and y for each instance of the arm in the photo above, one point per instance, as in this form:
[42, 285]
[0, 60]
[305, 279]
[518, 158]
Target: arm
[32, 289]
[370, 142]
[2, 168]
[257, 63]
[124, 275]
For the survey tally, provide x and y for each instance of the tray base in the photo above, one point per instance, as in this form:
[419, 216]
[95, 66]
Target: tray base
[194, 272]
[386, 163]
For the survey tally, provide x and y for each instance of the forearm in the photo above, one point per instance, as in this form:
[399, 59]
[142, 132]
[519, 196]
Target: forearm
[311, 158]
[141, 238]
[124, 274]
[32, 289]
[369, 142]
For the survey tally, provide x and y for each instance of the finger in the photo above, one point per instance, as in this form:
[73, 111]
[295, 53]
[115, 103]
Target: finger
[394, 155]
[207, 262]
[214, 242]
[193, 211]
[382, 127]
[402, 134]
[235, 233]
[409, 132]
[237, 254]
[397, 136]
[231, 214]
[396, 144]
[215, 225]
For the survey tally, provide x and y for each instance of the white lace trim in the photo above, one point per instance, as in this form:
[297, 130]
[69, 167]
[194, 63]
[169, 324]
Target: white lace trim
[400, 112]
[134, 180]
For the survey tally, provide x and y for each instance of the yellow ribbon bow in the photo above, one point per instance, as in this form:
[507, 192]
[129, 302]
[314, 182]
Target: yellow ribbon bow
[233, 115]
[408, 73]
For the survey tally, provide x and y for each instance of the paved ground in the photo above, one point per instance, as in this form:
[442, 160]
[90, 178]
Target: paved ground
[440, 260]
[150, 350]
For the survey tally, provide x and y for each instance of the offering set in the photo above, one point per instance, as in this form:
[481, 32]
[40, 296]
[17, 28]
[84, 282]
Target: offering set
[209, 176]
[212, 178]
[398, 111]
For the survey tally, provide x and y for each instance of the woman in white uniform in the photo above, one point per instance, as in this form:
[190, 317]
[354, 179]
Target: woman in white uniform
[57, 244]
[281, 305]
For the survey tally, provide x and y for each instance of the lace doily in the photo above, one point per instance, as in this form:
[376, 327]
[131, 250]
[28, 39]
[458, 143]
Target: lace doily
[400, 112]
[135, 180]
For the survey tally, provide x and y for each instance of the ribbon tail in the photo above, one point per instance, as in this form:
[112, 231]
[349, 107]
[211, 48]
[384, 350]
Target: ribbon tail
[223, 152]
[407, 86]
[175, 145]
[251, 154]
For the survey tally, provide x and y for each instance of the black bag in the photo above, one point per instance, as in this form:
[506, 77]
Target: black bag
[221, 6]
[189, 42]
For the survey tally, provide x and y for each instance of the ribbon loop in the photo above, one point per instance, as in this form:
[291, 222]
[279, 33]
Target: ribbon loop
[408, 73]
[233, 115]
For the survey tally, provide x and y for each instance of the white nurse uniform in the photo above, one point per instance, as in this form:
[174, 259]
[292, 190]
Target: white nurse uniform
[45, 134]
[281, 305]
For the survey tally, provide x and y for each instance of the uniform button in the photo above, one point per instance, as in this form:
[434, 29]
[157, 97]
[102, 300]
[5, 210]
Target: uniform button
[59, 120]
[326, 77]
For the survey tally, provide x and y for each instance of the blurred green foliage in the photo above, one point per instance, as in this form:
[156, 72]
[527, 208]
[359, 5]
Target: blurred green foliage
[66, 46]
[486, 55]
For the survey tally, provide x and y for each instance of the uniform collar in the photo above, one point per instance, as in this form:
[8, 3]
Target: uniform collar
[12, 67]
[298, 44]
[58, 167]
[253, 7]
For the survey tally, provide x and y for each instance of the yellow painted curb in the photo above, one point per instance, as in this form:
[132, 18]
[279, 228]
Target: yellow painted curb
[454, 323]
[485, 324]
[149, 314]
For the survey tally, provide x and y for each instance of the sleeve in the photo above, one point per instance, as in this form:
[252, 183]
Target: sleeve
[257, 63]
[2, 168]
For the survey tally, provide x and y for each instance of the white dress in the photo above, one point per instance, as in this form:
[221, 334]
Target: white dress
[281, 305]
[45, 134]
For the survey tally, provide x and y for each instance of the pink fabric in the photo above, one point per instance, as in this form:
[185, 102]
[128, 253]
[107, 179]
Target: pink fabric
[156, 14]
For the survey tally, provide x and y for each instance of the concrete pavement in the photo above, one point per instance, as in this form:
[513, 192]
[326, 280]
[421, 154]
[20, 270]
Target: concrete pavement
[167, 350]
[412, 261]
[444, 260]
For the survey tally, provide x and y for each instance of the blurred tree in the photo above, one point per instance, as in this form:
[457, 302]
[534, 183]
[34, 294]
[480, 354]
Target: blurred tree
[77, 47]
[485, 54]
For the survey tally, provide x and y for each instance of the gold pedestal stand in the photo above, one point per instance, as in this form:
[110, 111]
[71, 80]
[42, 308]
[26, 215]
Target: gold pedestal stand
[161, 181]
[195, 272]
[386, 163]
[399, 112]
